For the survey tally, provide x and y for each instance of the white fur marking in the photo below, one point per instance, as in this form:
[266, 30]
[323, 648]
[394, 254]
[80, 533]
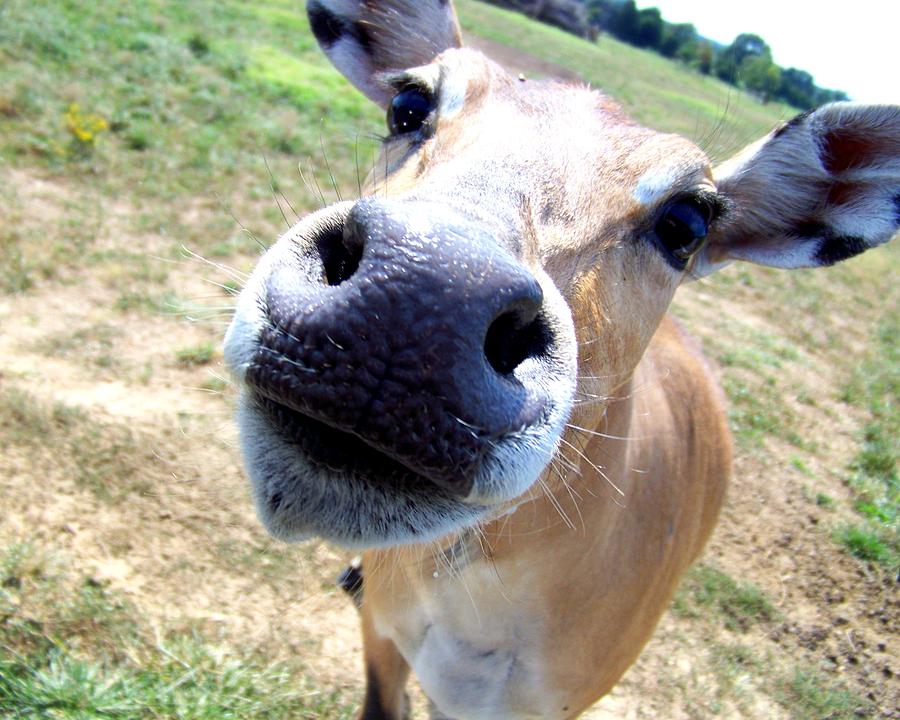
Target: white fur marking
[453, 95]
[655, 184]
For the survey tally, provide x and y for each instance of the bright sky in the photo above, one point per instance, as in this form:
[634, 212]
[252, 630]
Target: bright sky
[845, 45]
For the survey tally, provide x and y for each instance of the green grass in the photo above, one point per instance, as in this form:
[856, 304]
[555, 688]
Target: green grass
[140, 70]
[809, 693]
[71, 648]
[762, 369]
[94, 344]
[757, 411]
[196, 355]
[759, 349]
[198, 99]
[17, 273]
[874, 476]
[812, 311]
[729, 677]
[867, 543]
[735, 673]
[739, 605]
[215, 384]
[106, 458]
[800, 465]
[184, 677]
[736, 669]
[192, 681]
[824, 500]
[28, 256]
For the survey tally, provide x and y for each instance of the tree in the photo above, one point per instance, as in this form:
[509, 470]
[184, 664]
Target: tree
[650, 28]
[626, 22]
[602, 13]
[760, 75]
[705, 56]
[676, 37]
[729, 61]
[823, 96]
[749, 45]
[797, 88]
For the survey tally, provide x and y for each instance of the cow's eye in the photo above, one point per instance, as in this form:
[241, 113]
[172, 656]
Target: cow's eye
[409, 110]
[682, 228]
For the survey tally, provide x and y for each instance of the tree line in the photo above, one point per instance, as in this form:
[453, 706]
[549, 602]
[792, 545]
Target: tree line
[746, 63]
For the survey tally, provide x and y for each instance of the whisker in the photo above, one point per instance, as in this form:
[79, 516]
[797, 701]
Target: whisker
[217, 296]
[328, 164]
[221, 325]
[373, 173]
[601, 377]
[209, 308]
[474, 430]
[655, 382]
[596, 467]
[222, 378]
[593, 395]
[275, 196]
[572, 494]
[203, 390]
[356, 160]
[231, 272]
[306, 182]
[597, 433]
[459, 576]
[318, 187]
[281, 330]
[203, 317]
[222, 286]
[555, 503]
[488, 557]
[244, 229]
[565, 462]
[281, 356]
[273, 184]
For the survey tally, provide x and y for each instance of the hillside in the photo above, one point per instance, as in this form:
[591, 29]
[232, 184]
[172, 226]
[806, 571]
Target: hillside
[147, 153]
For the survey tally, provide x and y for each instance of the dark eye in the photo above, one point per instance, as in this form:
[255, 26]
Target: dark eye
[408, 111]
[682, 228]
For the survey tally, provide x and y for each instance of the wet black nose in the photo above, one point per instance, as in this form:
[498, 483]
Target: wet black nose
[411, 328]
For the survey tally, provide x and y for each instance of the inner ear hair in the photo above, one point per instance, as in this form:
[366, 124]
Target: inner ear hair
[822, 188]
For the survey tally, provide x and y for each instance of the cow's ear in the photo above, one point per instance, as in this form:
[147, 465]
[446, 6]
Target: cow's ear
[820, 189]
[366, 39]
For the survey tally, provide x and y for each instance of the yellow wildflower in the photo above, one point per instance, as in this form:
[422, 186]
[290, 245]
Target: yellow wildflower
[84, 128]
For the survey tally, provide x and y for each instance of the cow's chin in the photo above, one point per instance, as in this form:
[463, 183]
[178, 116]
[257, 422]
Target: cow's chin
[311, 480]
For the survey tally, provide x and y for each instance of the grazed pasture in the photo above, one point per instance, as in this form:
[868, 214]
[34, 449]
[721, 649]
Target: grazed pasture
[147, 152]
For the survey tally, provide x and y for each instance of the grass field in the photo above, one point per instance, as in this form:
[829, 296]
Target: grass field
[135, 582]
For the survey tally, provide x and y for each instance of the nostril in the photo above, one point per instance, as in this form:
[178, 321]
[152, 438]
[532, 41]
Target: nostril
[340, 254]
[510, 340]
